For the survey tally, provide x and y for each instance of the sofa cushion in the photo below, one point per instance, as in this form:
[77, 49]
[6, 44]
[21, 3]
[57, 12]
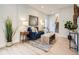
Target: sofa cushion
[33, 29]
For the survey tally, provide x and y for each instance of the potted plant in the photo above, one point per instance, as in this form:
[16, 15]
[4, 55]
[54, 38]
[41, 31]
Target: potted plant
[70, 26]
[74, 27]
[9, 33]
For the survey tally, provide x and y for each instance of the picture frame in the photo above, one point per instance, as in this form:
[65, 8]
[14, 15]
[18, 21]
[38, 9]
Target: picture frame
[33, 20]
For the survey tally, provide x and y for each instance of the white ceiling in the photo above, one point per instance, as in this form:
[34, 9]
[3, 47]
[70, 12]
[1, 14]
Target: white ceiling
[49, 8]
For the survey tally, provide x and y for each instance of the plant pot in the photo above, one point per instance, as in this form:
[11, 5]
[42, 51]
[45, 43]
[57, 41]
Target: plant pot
[74, 30]
[69, 37]
[9, 44]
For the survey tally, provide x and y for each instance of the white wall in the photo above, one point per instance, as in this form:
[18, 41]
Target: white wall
[65, 14]
[16, 12]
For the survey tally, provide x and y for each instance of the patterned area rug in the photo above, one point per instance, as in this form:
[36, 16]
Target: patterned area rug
[38, 44]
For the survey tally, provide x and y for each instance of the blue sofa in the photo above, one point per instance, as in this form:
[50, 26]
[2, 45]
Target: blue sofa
[33, 35]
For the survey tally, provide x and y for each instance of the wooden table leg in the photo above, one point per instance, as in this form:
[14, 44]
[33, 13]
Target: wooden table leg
[23, 36]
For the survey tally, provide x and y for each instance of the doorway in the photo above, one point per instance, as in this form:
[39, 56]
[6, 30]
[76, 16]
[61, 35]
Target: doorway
[57, 27]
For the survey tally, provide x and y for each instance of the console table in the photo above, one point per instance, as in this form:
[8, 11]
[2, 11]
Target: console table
[76, 36]
[23, 36]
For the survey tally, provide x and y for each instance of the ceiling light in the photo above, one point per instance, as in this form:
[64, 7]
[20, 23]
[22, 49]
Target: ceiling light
[42, 6]
[57, 15]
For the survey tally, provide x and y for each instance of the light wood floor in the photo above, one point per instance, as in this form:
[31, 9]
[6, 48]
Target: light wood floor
[59, 48]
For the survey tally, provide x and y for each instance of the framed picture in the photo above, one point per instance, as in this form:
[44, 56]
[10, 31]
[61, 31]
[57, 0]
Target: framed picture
[33, 20]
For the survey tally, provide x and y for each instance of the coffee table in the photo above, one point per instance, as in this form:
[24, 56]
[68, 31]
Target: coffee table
[45, 39]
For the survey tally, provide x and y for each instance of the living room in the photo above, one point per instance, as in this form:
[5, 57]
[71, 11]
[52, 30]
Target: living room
[43, 16]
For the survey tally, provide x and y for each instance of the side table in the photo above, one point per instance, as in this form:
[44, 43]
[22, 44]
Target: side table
[23, 36]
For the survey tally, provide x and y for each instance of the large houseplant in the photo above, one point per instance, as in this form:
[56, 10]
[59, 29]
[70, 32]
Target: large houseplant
[9, 33]
[70, 26]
